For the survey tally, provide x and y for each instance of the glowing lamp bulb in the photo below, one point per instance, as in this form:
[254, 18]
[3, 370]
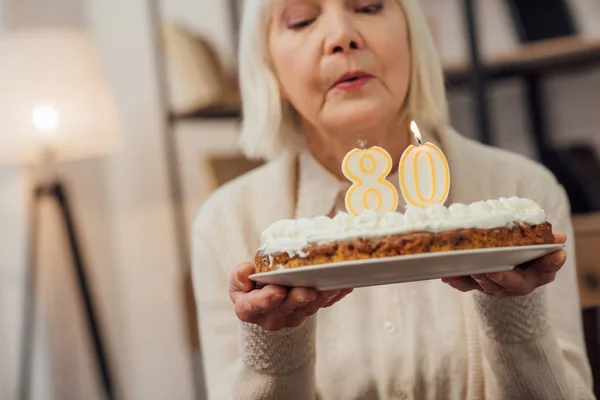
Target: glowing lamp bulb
[45, 118]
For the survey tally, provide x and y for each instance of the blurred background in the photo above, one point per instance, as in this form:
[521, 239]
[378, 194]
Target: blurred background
[94, 269]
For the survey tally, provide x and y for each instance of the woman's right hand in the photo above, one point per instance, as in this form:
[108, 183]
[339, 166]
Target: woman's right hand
[276, 307]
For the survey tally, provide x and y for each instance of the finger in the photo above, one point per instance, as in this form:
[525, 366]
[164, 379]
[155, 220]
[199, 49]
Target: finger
[239, 281]
[462, 283]
[559, 237]
[488, 286]
[546, 278]
[552, 263]
[299, 315]
[528, 265]
[338, 298]
[534, 279]
[297, 298]
[513, 281]
[546, 269]
[322, 299]
[251, 306]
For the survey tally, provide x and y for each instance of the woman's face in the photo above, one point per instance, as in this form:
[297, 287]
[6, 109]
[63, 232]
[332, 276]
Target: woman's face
[343, 64]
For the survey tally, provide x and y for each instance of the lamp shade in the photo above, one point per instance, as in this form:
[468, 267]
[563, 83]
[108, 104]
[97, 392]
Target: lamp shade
[54, 96]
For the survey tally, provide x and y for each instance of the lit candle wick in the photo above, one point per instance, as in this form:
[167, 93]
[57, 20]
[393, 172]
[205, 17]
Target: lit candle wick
[415, 129]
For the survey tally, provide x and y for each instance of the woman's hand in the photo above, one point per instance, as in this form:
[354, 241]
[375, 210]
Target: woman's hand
[276, 307]
[520, 281]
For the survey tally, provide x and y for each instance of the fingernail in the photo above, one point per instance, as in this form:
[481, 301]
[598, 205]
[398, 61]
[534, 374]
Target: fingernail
[560, 258]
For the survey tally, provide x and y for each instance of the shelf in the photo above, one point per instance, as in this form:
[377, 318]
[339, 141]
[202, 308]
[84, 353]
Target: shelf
[556, 55]
[220, 112]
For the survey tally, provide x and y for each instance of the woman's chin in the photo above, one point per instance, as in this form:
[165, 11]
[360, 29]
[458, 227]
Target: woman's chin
[356, 117]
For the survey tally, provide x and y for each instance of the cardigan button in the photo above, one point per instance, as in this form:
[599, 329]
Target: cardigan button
[389, 327]
[400, 394]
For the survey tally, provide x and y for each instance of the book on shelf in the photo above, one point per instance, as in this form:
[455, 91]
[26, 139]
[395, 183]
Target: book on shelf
[542, 19]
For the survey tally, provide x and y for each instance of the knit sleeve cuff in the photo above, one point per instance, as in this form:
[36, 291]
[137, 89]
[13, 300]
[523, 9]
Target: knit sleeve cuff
[279, 352]
[513, 319]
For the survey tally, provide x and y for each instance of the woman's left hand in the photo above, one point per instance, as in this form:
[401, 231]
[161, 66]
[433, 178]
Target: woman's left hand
[520, 281]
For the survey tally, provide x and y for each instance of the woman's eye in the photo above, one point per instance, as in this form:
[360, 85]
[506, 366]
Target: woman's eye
[371, 8]
[300, 24]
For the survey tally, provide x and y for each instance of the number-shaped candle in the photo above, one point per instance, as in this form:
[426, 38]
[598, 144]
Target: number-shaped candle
[367, 170]
[424, 173]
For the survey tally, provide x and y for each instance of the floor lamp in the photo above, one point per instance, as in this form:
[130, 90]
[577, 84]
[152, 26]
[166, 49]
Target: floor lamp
[55, 106]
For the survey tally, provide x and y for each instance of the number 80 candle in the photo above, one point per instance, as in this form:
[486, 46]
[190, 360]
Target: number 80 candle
[423, 173]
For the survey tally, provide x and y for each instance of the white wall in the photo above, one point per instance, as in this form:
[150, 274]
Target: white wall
[12, 259]
[34, 13]
[125, 220]
[155, 361]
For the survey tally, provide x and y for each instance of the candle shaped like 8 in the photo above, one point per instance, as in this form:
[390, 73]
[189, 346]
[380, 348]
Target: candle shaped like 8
[367, 170]
[423, 173]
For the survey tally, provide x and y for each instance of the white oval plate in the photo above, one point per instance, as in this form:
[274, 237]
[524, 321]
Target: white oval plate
[417, 267]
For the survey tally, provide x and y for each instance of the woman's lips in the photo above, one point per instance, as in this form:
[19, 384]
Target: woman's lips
[353, 82]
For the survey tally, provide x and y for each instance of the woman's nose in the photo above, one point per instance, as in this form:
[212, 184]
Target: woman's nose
[342, 37]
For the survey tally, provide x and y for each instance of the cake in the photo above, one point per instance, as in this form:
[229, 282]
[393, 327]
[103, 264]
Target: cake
[293, 243]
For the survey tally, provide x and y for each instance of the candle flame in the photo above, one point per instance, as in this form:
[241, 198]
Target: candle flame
[415, 129]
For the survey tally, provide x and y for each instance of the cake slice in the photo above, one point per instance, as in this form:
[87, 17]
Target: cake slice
[492, 223]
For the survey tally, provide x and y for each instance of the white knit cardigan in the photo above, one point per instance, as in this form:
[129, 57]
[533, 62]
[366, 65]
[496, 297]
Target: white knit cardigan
[420, 340]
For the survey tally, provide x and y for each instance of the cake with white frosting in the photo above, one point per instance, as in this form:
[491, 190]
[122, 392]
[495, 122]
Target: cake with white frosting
[483, 224]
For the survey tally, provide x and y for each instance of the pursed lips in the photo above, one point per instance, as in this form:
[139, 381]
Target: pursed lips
[352, 80]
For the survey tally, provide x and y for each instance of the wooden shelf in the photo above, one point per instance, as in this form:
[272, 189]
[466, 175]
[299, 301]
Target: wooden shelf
[231, 111]
[543, 57]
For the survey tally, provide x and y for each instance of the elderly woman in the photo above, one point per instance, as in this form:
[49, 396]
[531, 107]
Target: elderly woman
[316, 76]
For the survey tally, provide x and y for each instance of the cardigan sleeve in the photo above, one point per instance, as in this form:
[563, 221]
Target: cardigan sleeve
[243, 361]
[533, 345]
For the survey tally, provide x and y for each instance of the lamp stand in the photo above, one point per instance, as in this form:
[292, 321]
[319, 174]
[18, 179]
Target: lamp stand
[56, 191]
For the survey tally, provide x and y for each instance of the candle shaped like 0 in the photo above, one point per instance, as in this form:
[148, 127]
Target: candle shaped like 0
[423, 173]
[367, 170]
